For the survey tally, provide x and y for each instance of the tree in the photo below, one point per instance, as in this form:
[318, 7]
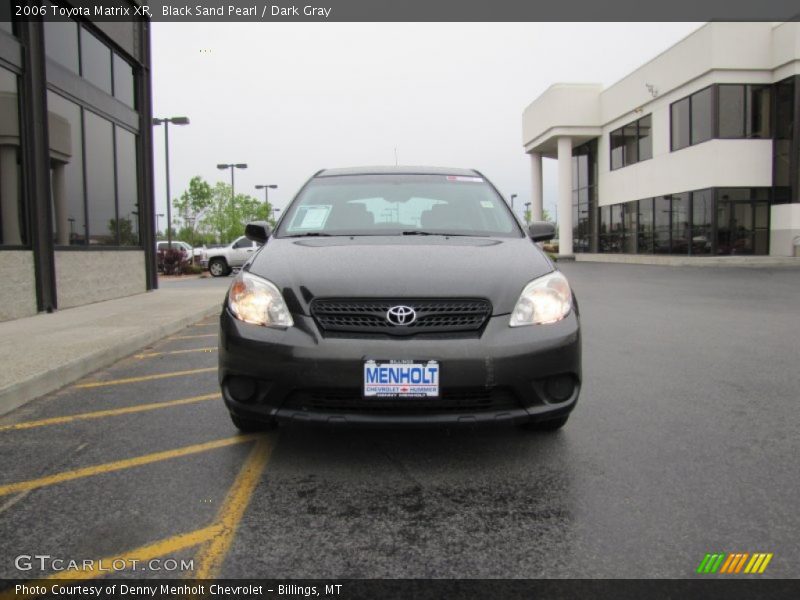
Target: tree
[226, 218]
[127, 235]
[190, 206]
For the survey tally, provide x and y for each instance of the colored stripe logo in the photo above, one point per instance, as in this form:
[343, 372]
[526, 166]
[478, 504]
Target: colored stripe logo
[734, 563]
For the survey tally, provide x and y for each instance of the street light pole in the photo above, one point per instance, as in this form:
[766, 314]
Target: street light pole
[166, 122]
[266, 189]
[528, 213]
[232, 166]
[512, 202]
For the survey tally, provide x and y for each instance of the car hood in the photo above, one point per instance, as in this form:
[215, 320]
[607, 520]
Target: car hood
[400, 267]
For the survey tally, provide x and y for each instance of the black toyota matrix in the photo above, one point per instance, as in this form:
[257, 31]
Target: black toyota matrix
[399, 296]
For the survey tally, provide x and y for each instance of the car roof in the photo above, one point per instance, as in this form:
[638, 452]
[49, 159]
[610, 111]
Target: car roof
[395, 170]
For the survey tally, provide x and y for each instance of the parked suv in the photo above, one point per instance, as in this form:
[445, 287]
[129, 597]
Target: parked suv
[402, 296]
[222, 260]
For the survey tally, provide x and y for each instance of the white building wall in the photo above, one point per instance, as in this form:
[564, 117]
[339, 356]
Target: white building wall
[716, 163]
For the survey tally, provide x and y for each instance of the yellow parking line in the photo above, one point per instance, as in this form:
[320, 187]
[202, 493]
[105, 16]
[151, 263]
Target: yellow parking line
[119, 465]
[192, 337]
[95, 384]
[107, 413]
[153, 354]
[212, 554]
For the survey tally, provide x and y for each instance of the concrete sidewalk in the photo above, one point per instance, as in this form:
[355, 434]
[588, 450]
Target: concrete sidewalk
[43, 353]
[674, 260]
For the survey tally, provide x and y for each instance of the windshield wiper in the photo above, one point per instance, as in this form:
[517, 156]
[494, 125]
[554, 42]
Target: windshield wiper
[419, 232]
[309, 234]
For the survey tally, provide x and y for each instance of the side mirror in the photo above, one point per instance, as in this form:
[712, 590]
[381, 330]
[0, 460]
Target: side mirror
[542, 231]
[258, 231]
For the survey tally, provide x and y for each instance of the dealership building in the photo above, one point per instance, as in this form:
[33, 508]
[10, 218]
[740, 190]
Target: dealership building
[76, 199]
[695, 153]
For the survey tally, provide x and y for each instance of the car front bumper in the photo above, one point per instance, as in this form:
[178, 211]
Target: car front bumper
[506, 375]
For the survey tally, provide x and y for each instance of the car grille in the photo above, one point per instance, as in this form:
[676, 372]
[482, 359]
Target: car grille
[453, 400]
[370, 316]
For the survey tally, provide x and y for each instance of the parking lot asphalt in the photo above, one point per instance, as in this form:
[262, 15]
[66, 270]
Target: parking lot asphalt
[685, 441]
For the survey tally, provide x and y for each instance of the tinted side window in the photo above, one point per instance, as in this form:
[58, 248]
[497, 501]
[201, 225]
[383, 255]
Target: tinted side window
[679, 117]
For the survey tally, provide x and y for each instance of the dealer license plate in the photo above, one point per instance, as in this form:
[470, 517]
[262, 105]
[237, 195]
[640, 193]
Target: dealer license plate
[401, 379]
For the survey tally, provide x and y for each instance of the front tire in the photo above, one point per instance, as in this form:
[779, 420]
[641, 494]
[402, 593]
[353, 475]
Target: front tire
[218, 267]
[251, 425]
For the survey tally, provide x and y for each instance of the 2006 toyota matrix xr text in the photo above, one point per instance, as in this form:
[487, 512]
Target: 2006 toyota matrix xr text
[399, 296]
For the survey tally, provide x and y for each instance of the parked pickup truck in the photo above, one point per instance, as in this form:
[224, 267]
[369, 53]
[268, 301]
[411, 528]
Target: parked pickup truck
[221, 261]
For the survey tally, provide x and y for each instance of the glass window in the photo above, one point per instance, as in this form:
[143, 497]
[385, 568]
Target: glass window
[575, 184]
[617, 149]
[66, 170]
[127, 188]
[95, 61]
[5, 18]
[702, 115]
[645, 229]
[680, 224]
[100, 192]
[631, 154]
[661, 220]
[583, 170]
[629, 215]
[645, 146]
[123, 81]
[758, 111]
[61, 43]
[679, 119]
[731, 111]
[702, 207]
[13, 228]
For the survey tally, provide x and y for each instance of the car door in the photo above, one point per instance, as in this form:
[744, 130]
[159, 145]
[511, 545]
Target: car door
[241, 251]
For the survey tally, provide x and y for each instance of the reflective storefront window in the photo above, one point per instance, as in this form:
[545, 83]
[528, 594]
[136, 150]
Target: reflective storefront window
[629, 217]
[645, 227]
[742, 221]
[5, 18]
[61, 43]
[100, 192]
[731, 111]
[744, 111]
[680, 124]
[66, 170]
[702, 115]
[661, 224]
[702, 210]
[679, 220]
[584, 190]
[127, 188]
[123, 81]
[631, 143]
[95, 61]
[13, 227]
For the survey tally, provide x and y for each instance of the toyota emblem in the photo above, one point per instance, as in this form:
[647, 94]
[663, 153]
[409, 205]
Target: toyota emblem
[401, 315]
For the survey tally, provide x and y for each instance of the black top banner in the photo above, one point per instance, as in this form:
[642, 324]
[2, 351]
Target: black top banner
[408, 10]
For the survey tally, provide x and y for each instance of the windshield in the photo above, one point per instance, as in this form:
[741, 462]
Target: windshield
[399, 205]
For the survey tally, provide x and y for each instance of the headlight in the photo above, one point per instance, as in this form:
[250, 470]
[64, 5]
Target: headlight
[256, 300]
[544, 300]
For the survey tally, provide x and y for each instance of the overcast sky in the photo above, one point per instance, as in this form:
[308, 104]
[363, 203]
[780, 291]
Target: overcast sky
[291, 98]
